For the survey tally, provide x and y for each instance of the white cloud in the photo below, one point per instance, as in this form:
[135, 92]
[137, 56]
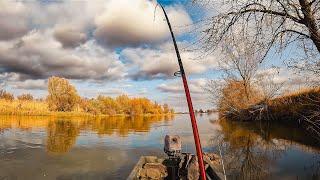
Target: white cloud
[176, 96]
[30, 84]
[132, 22]
[38, 55]
[160, 62]
[69, 37]
[195, 86]
[13, 19]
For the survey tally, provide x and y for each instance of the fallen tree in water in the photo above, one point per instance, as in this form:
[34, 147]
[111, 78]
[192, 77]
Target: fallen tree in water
[301, 108]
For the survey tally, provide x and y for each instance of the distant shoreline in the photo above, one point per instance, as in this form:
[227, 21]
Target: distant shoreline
[79, 114]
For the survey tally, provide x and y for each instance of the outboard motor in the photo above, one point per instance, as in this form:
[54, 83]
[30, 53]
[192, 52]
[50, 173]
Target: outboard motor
[172, 145]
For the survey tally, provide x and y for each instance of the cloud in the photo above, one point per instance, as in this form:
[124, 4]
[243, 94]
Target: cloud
[77, 40]
[132, 22]
[176, 87]
[175, 95]
[160, 62]
[38, 55]
[179, 102]
[70, 37]
[8, 77]
[13, 20]
[30, 84]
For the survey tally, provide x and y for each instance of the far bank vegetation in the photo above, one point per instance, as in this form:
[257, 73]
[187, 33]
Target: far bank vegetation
[249, 93]
[63, 99]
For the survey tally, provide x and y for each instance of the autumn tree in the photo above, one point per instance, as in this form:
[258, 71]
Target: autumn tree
[62, 95]
[124, 103]
[136, 107]
[6, 95]
[25, 97]
[108, 105]
[166, 109]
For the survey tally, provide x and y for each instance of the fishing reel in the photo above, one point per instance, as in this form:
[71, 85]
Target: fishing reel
[177, 74]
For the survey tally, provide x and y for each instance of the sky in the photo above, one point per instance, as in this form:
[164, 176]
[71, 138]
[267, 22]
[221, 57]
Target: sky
[104, 47]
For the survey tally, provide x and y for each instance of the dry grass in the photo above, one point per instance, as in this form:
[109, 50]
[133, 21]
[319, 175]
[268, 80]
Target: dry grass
[17, 107]
[31, 108]
[295, 105]
[301, 108]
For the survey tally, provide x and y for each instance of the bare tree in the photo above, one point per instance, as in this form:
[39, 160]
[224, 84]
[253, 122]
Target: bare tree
[273, 23]
[266, 81]
[241, 61]
[244, 84]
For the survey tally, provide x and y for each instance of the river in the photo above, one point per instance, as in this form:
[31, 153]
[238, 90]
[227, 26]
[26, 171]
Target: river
[108, 148]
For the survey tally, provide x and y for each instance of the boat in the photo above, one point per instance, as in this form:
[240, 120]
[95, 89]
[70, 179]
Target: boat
[176, 165]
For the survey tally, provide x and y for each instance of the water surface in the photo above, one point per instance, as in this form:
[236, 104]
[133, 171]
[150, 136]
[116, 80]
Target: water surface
[108, 148]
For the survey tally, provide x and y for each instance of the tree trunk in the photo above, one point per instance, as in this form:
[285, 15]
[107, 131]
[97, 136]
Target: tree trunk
[310, 23]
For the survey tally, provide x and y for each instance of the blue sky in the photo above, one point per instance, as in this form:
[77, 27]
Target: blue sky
[108, 47]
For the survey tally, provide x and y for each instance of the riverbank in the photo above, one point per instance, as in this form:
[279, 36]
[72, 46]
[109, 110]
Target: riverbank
[300, 108]
[41, 108]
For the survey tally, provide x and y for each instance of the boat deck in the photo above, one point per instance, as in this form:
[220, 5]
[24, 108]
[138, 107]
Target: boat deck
[184, 166]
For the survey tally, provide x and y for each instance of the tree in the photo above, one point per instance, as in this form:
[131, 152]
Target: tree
[124, 103]
[241, 62]
[62, 95]
[25, 97]
[6, 95]
[273, 23]
[166, 109]
[231, 100]
[136, 107]
[108, 105]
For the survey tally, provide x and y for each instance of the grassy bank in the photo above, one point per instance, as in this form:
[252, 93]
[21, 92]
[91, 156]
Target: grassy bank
[301, 108]
[41, 108]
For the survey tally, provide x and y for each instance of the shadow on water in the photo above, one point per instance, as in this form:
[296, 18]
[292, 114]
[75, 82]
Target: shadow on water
[265, 151]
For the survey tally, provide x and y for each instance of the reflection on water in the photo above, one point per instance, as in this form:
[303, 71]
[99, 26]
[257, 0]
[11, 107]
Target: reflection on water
[63, 132]
[62, 135]
[254, 151]
[108, 148]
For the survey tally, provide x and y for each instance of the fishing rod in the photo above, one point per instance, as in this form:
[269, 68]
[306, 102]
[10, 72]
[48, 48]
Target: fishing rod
[189, 101]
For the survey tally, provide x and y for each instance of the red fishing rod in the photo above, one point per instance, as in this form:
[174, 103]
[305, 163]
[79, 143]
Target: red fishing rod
[190, 106]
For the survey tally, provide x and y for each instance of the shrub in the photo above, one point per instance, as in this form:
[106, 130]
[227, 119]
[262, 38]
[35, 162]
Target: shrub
[6, 95]
[233, 97]
[25, 97]
[62, 95]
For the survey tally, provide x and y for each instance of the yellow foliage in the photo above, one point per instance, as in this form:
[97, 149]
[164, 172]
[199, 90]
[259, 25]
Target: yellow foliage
[25, 97]
[122, 105]
[6, 95]
[234, 97]
[17, 107]
[63, 97]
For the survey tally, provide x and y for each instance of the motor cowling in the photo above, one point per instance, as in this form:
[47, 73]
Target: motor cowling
[172, 145]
